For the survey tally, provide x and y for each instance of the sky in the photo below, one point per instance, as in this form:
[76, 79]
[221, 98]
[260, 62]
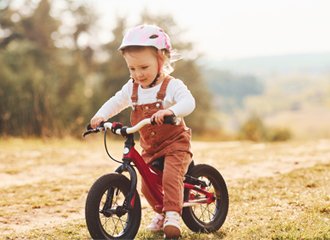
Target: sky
[223, 29]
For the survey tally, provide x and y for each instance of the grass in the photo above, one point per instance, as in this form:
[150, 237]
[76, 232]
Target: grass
[292, 205]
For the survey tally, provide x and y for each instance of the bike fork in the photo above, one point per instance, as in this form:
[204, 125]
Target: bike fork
[106, 210]
[130, 198]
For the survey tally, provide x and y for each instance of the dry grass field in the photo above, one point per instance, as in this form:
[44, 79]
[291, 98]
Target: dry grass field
[277, 191]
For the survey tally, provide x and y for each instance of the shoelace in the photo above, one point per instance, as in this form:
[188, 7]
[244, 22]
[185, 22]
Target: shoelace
[172, 218]
[158, 218]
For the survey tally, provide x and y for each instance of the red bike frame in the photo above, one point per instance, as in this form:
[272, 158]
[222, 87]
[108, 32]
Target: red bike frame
[152, 176]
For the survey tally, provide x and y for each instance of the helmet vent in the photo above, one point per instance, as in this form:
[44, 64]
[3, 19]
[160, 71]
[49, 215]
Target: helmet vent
[153, 36]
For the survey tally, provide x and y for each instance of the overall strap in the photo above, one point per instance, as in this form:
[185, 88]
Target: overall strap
[162, 91]
[134, 96]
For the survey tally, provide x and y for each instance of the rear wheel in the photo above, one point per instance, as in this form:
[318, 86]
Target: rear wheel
[106, 216]
[206, 217]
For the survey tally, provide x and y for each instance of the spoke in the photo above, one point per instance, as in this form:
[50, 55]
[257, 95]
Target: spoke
[201, 212]
[121, 222]
[106, 222]
[115, 225]
[211, 214]
[206, 212]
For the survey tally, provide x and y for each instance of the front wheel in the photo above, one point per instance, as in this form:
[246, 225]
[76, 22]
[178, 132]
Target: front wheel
[206, 217]
[105, 213]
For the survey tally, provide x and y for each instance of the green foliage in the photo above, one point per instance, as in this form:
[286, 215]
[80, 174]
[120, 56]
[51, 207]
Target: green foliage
[27, 75]
[278, 134]
[52, 83]
[255, 130]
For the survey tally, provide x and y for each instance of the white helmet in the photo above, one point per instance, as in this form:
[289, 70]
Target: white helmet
[146, 35]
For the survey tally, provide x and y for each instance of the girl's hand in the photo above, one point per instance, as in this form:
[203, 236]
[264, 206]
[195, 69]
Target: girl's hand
[158, 117]
[95, 121]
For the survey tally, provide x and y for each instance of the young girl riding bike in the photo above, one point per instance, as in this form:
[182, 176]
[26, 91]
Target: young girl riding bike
[153, 93]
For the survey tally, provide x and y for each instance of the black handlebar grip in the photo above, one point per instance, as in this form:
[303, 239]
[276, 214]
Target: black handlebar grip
[170, 119]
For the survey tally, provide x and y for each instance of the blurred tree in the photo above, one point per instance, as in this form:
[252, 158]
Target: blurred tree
[76, 67]
[44, 83]
[188, 71]
[255, 130]
[26, 64]
[114, 69]
[52, 81]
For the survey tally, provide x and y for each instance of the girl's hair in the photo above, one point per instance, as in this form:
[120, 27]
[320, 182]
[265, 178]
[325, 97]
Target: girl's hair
[164, 54]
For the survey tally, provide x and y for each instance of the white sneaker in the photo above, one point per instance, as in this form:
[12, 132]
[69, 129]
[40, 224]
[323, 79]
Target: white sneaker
[156, 223]
[172, 224]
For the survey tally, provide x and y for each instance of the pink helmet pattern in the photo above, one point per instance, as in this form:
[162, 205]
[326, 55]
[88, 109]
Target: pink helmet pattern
[146, 35]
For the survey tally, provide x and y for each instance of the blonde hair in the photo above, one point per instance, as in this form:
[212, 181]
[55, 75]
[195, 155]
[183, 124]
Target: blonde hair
[164, 54]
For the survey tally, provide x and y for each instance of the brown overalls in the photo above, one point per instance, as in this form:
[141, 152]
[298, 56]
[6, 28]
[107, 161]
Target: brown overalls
[170, 141]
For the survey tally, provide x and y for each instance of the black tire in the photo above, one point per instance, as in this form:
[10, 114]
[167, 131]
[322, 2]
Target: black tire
[112, 226]
[194, 216]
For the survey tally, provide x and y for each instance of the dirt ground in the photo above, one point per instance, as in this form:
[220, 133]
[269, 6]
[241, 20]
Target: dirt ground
[44, 183]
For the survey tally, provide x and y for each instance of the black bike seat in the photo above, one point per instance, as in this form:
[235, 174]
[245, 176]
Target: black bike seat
[158, 164]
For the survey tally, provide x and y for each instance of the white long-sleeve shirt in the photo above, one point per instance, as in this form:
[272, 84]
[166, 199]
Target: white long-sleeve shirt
[178, 99]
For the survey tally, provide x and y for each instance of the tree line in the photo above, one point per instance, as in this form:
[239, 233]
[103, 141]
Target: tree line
[52, 82]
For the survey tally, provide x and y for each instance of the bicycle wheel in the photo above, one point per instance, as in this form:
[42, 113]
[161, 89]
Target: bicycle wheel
[106, 218]
[206, 217]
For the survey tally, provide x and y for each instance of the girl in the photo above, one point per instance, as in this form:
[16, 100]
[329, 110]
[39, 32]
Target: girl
[152, 92]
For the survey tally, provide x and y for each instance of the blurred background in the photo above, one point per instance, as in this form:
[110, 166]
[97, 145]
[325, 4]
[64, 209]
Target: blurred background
[259, 70]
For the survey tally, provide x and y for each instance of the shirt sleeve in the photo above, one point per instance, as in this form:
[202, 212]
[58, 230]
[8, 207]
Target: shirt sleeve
[117, 103]
[184, 102]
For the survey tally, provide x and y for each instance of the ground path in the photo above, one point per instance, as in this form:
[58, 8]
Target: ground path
[53, 168]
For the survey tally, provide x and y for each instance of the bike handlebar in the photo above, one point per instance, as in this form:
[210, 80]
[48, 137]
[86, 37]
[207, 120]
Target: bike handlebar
[124, 131]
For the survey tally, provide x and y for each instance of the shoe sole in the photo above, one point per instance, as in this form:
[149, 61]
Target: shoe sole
[172, 231]
[154, 230]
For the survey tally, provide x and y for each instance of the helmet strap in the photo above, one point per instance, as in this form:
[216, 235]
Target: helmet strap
[154, 81]
[159, 68]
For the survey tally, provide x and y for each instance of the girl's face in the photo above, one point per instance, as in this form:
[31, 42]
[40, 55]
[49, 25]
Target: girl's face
[142, 64]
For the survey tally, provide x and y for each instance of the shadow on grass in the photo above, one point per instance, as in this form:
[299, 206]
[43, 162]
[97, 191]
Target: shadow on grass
[216, 235]
[185, 235]
[220, 235]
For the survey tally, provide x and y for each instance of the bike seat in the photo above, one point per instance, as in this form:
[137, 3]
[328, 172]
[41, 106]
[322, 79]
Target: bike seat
[158, 164]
